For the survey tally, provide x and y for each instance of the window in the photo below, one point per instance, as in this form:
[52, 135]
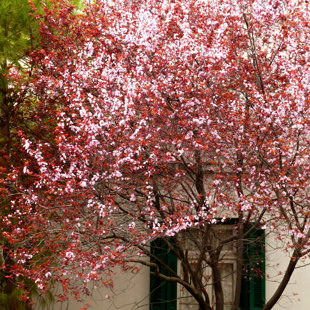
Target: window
[166, 295]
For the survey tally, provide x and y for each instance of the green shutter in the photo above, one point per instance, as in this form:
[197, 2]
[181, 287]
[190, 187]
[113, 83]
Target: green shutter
[163, 294]
[253, 281]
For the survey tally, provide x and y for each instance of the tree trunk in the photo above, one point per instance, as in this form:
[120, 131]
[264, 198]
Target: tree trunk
[217, 282]
[239, 270]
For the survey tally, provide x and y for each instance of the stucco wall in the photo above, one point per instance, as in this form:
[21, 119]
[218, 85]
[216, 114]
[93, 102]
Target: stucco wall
[297, 294]
[130, 292]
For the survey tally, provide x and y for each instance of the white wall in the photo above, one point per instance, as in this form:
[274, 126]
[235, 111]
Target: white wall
[130, 292]
[297, 294]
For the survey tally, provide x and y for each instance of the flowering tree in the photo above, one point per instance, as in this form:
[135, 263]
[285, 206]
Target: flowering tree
[170, 117]
[19, 36]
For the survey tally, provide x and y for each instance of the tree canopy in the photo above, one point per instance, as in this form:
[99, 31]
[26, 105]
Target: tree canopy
[168, 117]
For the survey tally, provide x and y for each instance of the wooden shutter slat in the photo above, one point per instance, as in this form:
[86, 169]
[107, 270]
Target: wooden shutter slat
[253, 281]
[163, 294]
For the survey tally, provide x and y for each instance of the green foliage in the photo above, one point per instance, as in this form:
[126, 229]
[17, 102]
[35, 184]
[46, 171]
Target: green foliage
[12, 300]
[15, 301]
[18, 31]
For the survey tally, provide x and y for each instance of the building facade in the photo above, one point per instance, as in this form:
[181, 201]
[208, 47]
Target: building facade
[145, 292]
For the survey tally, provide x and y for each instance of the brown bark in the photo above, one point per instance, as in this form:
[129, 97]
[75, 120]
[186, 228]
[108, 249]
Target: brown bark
[238, 275]
[217, 279]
